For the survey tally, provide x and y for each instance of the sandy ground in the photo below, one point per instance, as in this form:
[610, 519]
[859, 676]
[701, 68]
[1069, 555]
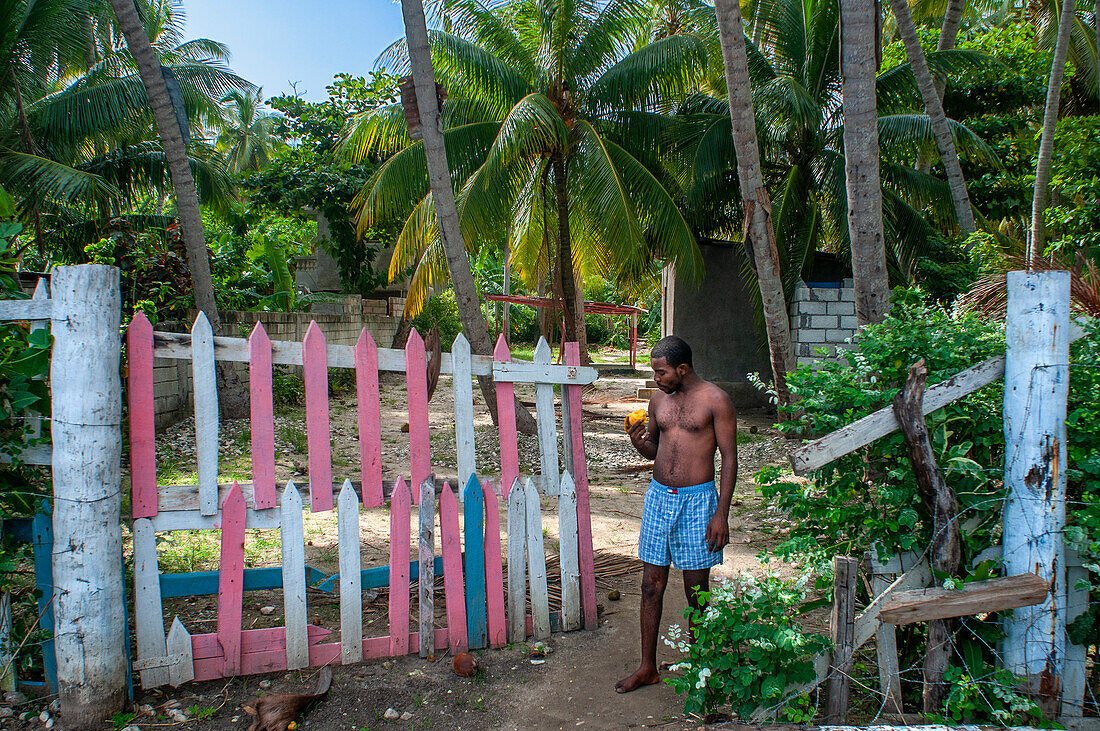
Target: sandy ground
[574, 687]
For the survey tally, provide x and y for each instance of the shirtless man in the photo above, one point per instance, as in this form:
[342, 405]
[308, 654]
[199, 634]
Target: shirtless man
[685, 521]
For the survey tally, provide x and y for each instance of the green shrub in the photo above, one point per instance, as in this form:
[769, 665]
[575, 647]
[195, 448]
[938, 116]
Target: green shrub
[748, 648]
[287, 390]
[440, 311]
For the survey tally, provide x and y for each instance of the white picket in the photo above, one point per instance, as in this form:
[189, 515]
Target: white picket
[536, 564]
[517, 563]
[206, 413]
[182, 669]
[351, 592]
[426, 582]
[570, 556]
[547, 423]
[7, 666]
[148, 609]
[294, 579]
[464, 409]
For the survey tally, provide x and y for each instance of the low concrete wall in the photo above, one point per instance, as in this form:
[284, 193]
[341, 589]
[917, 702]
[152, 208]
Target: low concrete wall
[823, 319]
[341, 322]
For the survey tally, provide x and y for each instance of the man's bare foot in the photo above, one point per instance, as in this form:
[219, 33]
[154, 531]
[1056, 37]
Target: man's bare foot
[642, 676]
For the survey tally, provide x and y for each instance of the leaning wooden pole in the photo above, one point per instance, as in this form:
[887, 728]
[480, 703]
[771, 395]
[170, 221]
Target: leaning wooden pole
[86, 428]
[940, 501]
[1036, 391]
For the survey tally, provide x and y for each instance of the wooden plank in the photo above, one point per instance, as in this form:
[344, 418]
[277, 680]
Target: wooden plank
[494, 571]
[170, 520]
[538, 372]
[148, 607]
[473, 501]
[143, 450]
[886, 648]
[506, 420]
[517, 562]
[399, 570]
[585, 553]
[205, 583]
[567, 548]
[846, 576]
[862, 432]
[21, 310]
[205, 646]
[351, 594]
[231, 582]
[42, 533]
[177, 346]
[536, 564]
[451, 543]
[318, 435]
[42, 294]
[294, 580]
[416, 379]
[40, 454]
[1074, 676]
[205, 395]
[179, 646]
[426, 577]
[262, 412]
[547, 421]
[367, 398]
[464, 409]
[976, 597]
[7, 654]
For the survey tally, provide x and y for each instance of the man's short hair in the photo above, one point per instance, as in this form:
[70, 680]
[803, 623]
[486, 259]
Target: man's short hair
[673, 350]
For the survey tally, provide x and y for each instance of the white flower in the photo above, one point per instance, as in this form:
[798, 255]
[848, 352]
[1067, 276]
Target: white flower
[703, 675]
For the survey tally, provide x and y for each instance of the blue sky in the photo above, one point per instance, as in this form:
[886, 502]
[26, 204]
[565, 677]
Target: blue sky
[277, 42]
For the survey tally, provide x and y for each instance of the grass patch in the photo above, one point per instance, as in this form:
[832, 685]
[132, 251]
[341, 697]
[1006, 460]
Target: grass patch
[295, 437]
[744, 437]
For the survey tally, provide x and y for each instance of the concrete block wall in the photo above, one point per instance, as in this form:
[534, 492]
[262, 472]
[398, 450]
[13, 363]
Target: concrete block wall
[823, 318]
[172, 378]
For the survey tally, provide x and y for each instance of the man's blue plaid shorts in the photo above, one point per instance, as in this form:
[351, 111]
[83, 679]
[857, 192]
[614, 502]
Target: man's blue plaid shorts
[674, 526]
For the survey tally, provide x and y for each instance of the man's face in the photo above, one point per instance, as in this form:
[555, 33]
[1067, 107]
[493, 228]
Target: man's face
[668, 379]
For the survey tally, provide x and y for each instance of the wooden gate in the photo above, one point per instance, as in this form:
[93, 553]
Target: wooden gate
[477, 612]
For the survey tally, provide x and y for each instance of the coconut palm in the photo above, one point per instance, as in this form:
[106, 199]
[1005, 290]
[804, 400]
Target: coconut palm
[247, 134]
[796, 83]
[537, 96]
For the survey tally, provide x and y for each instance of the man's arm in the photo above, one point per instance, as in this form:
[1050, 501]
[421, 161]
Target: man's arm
[725, 433]
[646, 443]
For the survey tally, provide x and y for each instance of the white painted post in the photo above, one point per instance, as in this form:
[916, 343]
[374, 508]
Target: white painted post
[547, 424]
[294, 579]
[204, 380]
[1036, 390]
[87, 481]
[351, 591]
[462, 384]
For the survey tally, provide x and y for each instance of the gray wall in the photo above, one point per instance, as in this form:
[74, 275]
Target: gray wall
[716, 320]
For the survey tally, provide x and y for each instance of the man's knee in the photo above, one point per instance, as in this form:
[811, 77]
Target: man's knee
[653, 584]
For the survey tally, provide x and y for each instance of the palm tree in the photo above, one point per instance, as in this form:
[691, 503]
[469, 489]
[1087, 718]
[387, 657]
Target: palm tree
[232, 397]
[1046, 143]
[858, 64]
[756, 202]
[537, 105]
[247, 134]
[933, 104]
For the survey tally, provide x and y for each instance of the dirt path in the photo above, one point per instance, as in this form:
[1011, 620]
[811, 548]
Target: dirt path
[573, 687]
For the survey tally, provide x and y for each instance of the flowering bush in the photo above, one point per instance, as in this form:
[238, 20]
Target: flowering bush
[748, 647]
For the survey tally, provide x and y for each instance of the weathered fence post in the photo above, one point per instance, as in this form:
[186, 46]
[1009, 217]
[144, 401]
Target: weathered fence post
[846, 573]
[87, 452]
[1036, 390]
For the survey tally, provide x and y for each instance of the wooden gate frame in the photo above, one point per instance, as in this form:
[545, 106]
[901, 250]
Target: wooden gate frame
[476, 615]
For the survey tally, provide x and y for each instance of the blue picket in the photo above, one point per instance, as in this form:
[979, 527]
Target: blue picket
[473, 501]
[43, 580]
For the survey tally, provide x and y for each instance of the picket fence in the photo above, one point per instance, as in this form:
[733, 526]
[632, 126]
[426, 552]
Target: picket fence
[478, 611]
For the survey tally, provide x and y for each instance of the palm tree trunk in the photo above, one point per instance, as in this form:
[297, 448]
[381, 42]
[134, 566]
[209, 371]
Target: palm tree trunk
[232, 396]
[861, 160]
[572, 296]
[31, 149]
[949, 32]
[934, 108]
[757, 204]
[1046, 144]
[439, 178]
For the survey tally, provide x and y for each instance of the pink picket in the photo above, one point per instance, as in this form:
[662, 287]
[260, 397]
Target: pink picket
[494, 571]
[263, 418]
[451, 540]
[506, 417]
[370, 419]
[143, 455]
[399, 569]
[231, 581]
[584, 509]
[262, 651]
[318, 438]
[416, 379]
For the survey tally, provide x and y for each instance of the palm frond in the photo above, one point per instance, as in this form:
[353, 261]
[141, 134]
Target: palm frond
[47, 182]
[670, 64]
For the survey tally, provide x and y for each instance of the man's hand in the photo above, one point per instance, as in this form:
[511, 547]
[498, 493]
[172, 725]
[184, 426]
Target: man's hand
[637, 434]
[718, 533]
